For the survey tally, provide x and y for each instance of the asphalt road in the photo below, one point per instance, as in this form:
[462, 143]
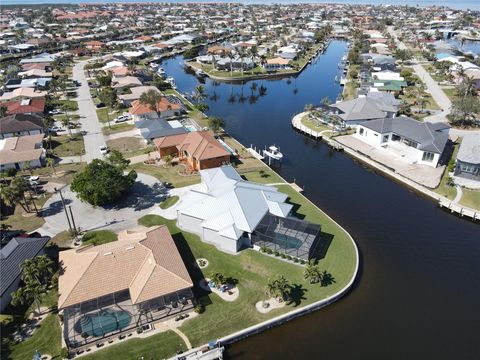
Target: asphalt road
[92, 127]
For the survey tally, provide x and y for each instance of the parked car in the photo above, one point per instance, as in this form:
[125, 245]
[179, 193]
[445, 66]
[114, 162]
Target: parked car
[100, 105]
[34, 180]
[104, 150]
[122, 118]
[55, 112]
[55, 129]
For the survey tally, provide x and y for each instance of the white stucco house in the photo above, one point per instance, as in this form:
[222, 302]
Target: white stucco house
[228, 209]
[414, 141]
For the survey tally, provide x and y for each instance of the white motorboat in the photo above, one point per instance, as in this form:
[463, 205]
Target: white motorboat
[200, 73]
[171, 81]
[273, 153]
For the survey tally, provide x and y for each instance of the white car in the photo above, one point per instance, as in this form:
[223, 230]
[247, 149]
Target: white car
[34, 180]
[104, 150]
[122, 118]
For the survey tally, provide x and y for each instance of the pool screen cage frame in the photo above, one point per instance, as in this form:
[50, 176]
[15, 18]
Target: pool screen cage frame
[140, 314]
[274, 232]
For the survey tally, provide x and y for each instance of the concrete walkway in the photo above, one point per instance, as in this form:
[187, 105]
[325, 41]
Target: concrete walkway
[93, 137]
[459, 194]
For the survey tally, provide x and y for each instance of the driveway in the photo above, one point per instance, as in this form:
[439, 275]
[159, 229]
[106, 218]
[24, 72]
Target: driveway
[87, 111]
[143, 198]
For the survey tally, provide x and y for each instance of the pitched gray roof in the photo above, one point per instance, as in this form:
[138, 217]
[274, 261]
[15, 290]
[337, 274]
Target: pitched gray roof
[14, 254]
[155, 128]
[363, 108]
[21, 122]
[469, 151]
[428, 135]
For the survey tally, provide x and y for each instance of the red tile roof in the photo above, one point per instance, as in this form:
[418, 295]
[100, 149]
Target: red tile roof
[22, 106]
[138, 108]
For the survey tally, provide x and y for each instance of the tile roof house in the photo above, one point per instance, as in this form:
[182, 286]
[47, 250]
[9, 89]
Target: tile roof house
[22, 93]
[16, 151]
[165, 108]
[12, 256]
[125, 82]
[414, 141]
[25, 106]
[135, 93]
[21, 125]
[139, 278]
[199, 149]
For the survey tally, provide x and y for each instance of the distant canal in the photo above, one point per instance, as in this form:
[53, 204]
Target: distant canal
[418, 292]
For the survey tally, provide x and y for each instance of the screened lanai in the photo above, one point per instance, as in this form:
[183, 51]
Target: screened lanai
[290, 236]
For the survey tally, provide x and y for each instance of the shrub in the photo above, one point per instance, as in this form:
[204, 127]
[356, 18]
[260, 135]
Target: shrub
[64, 353]
[269, 251]
[263, 249]
[199, 309]
[11, 172]
[289, 257]
[276, 253]
[295, 260]
[283, 256]
[302, 262]
[451, 165]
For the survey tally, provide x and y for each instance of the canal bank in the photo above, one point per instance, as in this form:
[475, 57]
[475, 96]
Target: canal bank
[417, 286]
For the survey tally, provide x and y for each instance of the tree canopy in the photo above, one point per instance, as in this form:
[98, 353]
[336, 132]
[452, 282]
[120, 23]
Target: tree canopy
[103, 182]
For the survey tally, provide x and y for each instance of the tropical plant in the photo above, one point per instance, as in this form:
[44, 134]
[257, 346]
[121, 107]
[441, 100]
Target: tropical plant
[151, 98]
[199, 93]
[215, 124]
[218, 279]
[278, 288]
[312, 272]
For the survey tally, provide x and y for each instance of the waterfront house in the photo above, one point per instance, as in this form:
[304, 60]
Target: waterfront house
[109, 289]
[467, 168]
[12, 256]
[21, 125]
[134, 94]
[277, 63]
[125, 82]
[198, 149]
[16, 152]
[232, 214]
[414, 141]
[355, 111]
[152, 129]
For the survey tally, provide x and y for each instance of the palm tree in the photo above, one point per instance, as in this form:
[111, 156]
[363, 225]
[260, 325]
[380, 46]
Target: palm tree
[151, 98]
[215, 124]
[312, 272]
[18, 187]
[308, 107]
[51, 163]
[278, 288]
[30, 292]
[218, 279]
[3, 111]
[199, 93]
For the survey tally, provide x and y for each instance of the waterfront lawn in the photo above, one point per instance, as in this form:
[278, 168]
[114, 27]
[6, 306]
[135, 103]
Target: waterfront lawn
[471, 198]
[46, 339]
[66, 145]
[117, 128]
[99, 237]
[262, 176]
[253, 270]
[314, 124]
[158, 346]
[169, 202]
[166, 174]
[444, 189]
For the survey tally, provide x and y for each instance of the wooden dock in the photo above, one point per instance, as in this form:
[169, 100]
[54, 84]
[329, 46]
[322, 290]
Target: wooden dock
[297, 124]
[459, 210]
[255, 153]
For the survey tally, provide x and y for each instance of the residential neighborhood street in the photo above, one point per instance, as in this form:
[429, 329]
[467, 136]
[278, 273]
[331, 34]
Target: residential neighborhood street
[93, 137]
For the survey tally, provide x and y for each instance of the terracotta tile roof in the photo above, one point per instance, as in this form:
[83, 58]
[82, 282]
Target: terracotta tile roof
[148, 264]
[202, 145]
[169, 141]
[40, 66]
[20, 149]
[138, 108]
[36, 105]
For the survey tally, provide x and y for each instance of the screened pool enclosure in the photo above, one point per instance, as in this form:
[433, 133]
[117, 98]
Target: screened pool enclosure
[290, 236]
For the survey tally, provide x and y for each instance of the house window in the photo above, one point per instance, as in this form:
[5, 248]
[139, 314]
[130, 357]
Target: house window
[395, 137]
[385, 138]
[467, 168]
[361, 131]
[427, 156]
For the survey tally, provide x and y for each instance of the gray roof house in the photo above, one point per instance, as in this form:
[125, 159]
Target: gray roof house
[355, 111]
[12, 255]
[468, 160]
[21, 125]
[156, 128]
[417, 142]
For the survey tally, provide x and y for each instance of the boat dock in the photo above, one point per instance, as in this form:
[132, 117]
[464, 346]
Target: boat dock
[458, 209]
[201, 353]
[297, 124]
[255, 153]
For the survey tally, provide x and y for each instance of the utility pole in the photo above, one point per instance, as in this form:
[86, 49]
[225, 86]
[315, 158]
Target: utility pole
[73, 220]
[64, 207]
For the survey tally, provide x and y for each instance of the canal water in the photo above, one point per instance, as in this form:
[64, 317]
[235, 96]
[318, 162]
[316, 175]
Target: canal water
[418, 290]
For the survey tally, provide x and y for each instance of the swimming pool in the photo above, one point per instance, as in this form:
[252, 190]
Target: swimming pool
[104, 322]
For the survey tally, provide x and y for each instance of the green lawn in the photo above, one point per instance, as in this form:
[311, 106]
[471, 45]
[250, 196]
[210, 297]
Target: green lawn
[169, 202]
[103, 116]
[71, 105]
[66, 145]
[19, 220]
[266, 176]
[117, 128]
[62, 240]
[471, 198]
[45, 339]
[443, 188]
[99, 237]
[450, 92]
[169, 174]
[253, 269]
[159, 346]
[129, 146]
[314, 124]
